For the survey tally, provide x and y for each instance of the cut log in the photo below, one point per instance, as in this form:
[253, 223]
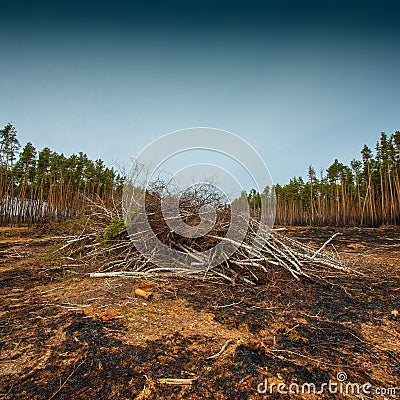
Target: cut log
[143, 293]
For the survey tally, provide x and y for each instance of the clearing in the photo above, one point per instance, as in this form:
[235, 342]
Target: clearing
[64, 335]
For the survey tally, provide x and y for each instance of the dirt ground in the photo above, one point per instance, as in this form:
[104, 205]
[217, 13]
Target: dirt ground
[64, 335]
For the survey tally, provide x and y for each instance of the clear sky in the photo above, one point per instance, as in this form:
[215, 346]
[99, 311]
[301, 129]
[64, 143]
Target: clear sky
[303, 82]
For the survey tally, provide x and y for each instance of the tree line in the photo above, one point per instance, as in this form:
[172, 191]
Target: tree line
[37, 186]
[364, 193]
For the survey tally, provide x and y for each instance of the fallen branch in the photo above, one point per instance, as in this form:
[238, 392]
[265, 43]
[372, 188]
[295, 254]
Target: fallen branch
[253, 257]
[223, 348]
[177, 381]
[66, 380]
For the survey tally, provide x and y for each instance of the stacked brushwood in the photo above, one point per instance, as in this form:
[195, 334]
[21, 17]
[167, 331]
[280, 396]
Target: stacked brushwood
[104, 247]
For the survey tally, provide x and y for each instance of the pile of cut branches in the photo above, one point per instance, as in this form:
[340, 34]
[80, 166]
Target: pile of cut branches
[104, 247]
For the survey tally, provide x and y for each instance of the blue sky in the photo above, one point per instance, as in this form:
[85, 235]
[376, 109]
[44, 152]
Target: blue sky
[303, 82]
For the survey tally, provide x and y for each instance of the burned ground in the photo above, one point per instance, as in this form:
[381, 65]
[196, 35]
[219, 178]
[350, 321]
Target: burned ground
[66, 336]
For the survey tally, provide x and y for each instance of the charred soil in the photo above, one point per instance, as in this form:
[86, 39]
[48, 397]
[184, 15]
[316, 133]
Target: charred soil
[64, 335]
